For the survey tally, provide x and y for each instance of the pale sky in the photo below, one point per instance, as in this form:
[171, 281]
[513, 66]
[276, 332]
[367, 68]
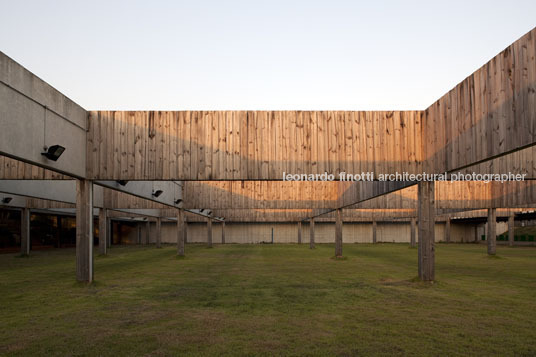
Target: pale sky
[308, 55]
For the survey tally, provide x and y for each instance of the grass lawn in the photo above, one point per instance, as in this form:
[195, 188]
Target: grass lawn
[270, 299]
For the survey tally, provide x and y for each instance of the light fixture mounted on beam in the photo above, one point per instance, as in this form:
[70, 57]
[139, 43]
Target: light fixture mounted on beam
[178, 201]
[53, 152]
[6, 200]
[157, 193]
[122, 182]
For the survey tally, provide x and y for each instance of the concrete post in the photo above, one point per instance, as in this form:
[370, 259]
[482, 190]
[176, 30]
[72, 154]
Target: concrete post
[491, 234]
[84, 230]
[223, 232]
[426, 212]
[58, 231]
[299, 232]
[180, 233]
[159, 232]
[338, 233]
[447, 230]
[103, 231]
[147, 232]
[209, 232]
[185, 231]
[413, 233]
[110, 232]
[312, 234]
[374, 229]
[25, 231]
[511, 230]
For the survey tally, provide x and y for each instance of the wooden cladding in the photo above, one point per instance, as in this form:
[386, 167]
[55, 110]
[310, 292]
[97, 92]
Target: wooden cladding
[260, 194]
[250, 145]
[11, 169]
[265, 195]
[490, 113]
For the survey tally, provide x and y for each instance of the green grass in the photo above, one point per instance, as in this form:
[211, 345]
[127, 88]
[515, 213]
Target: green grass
[270, 299]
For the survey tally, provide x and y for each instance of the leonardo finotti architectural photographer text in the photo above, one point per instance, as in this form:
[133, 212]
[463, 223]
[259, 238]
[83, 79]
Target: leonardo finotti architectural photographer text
[404, 176]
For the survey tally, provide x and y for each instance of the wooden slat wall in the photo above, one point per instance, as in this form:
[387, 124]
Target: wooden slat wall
[518, 162]
[11, 169]
[289, 215]
[514, 194]
[324, 195]
[260, 194]
[253, 145]
[490, 113]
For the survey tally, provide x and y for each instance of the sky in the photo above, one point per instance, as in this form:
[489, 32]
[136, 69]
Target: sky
[258, 55]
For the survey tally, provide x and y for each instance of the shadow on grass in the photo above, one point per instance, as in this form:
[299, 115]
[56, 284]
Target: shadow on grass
[343, 257]
[494, 257]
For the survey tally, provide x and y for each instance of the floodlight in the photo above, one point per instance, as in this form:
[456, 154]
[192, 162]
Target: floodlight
[53, 152]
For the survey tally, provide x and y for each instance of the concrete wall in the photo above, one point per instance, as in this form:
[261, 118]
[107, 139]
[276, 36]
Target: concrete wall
[288, 232]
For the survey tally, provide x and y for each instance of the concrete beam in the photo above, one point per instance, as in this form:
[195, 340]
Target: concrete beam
[35, 115]
[54, 190]
[171, 194]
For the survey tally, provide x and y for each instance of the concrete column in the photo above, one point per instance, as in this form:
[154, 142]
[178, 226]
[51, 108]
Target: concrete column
[426, 230]
[209, 232]
[159, 232]
[374, 229]
[338, 233]
[413, 233]
[110, 232]
[491, 234]
[511, 230]
[147, 232]
[223, 232]
[84, 230]
[180, 233]
[58, 231]
[25, 231]
[447, 230]
[299, 232]
[312, 234]
[103, 231]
